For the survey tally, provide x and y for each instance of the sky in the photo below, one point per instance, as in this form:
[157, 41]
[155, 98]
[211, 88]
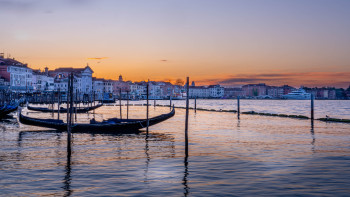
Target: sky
[227, 42]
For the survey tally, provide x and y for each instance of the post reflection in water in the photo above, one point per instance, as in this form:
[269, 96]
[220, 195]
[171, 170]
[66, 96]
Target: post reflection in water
[147, 159]
[184, 180]
[67, 178]
[312, 131]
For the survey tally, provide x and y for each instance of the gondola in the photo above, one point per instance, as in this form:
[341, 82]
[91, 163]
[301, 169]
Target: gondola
[64, 110]
[113, 125]
[6, 109]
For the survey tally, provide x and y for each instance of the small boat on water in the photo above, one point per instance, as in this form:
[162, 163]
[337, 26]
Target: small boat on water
[64, 110]
[299, 94]
[6, 109]
[113, 125]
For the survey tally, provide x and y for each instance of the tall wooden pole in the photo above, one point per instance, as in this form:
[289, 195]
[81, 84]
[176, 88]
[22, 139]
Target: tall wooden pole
[154, 102]
[186, 120]
[312, 107]
[71, 101]
[170, 102]
[147, 91]
[53, 102]
[127, 105]
[58, 104]
[238, 108]
[93, 112]
[94, 99]
[68, 93]
[195, 104]
[76, 104]
[120, 102]
[69, 110]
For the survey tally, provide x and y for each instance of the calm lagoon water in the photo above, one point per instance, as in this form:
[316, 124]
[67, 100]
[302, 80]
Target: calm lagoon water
[256, 155]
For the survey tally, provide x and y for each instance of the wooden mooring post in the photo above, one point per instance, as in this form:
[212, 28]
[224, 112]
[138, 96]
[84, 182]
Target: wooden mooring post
[53, 102]
[69, 110]
[170, 102]
[238, 107]
[58, 104]
[67, 106]
[312, 108]
[120, 103]
[195, 104]
[147, 106]
[186, 120]
[127, 105]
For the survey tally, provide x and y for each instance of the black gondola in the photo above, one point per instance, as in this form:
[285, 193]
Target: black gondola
[113, 125]
[64, 110]
[6, 109]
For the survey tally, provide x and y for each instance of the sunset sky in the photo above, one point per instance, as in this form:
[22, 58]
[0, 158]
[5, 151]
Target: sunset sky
[231, 42]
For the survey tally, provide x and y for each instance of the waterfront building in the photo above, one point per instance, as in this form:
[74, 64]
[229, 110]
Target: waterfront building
[108, 85]
[138, 90]
[42, 82]
[98, 87]
[122, 85]
[4, 85]
[154, 90]
[275, 92]
[199, 92]
[233, 92]
[16, 74]
[167, 89]
[255, 90]
[216, 91]
[82, 77]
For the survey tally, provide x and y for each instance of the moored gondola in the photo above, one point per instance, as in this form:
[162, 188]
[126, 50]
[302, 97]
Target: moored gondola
[64, 110]
[113, 125]
[6, 109]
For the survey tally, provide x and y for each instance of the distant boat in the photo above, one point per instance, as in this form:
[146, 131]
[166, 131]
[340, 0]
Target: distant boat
[299, 94]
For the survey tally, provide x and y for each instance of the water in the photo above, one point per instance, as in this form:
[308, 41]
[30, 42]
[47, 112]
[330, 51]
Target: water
[332, 108]
[255, 155]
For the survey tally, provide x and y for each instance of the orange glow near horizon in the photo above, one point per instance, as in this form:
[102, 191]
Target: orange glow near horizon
[160, 70]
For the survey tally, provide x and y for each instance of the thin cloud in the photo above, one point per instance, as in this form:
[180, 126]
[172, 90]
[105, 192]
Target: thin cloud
[163, 60]
[17, 5]
[311, 79]
[97, 58]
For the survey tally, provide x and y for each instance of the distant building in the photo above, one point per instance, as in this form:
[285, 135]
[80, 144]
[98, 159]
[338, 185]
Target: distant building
[233, 92]
[122, 85]
[216, 91]
[287, 89]
[42, 82]
[83, 78]
[138, 90]
[275, 92]
[199, 92]
[98, 87]
[212, 91]
[16, 74]
[108, 85]
[254, 90]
